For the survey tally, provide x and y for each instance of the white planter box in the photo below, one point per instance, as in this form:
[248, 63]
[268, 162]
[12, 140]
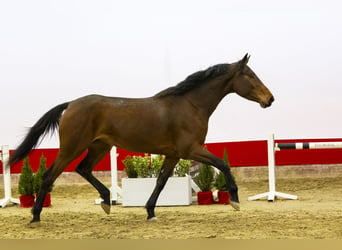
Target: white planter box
[136, 191]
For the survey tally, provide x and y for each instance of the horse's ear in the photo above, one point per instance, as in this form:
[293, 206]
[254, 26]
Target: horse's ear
[243, 62]
[245, 59]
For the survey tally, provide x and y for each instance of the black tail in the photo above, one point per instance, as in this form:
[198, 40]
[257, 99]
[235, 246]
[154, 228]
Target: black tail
[48, 122]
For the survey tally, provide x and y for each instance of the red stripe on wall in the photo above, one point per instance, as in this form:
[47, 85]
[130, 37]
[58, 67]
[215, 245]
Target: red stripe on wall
[246, 153]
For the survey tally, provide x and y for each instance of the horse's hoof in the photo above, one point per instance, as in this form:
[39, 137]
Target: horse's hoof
[34, 224]
[105, 207]
[152, 219]
[235, 205]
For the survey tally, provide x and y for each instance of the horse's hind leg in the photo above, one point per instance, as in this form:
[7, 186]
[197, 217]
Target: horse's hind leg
[38, 205]
[96, 152]
[165, 172]
[49, 178]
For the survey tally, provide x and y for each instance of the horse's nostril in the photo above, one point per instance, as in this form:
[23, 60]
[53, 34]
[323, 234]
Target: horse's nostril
[271, 100]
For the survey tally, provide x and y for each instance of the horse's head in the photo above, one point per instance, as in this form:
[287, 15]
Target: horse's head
[247, 84]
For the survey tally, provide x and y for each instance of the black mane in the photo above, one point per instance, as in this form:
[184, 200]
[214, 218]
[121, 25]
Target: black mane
[195, 80]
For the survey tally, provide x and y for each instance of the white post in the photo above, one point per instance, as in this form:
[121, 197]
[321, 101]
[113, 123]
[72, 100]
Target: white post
[272, 193]
[271, 167]
[6, 172]
[114, 189]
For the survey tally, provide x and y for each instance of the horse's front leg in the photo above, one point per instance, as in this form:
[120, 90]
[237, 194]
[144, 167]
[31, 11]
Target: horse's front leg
[165, 172]
[204, 156]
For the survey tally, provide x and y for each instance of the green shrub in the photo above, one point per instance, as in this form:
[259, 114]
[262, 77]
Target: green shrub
[130, 167]
[147, 166]
[220, 180]
[182, 168]
[38, 177]
[26, 179]
[138, 166]
[205, 177]
[142, 166]
[156, 164]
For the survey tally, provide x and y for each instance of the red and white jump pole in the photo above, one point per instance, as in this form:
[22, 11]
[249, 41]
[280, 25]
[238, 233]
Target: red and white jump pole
[308, 145]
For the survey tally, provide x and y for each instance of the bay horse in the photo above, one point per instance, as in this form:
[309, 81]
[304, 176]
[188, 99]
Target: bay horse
[173, 122]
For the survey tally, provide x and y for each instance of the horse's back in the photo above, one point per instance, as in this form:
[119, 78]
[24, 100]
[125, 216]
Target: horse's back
[125, 122]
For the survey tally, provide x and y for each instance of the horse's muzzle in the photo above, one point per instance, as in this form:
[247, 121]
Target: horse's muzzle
[267, 103]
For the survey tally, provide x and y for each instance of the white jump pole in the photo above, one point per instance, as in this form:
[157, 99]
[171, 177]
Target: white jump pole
[272, 193]
[6, 172]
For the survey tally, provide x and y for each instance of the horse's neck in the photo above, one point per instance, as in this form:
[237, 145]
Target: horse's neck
[208, 96]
